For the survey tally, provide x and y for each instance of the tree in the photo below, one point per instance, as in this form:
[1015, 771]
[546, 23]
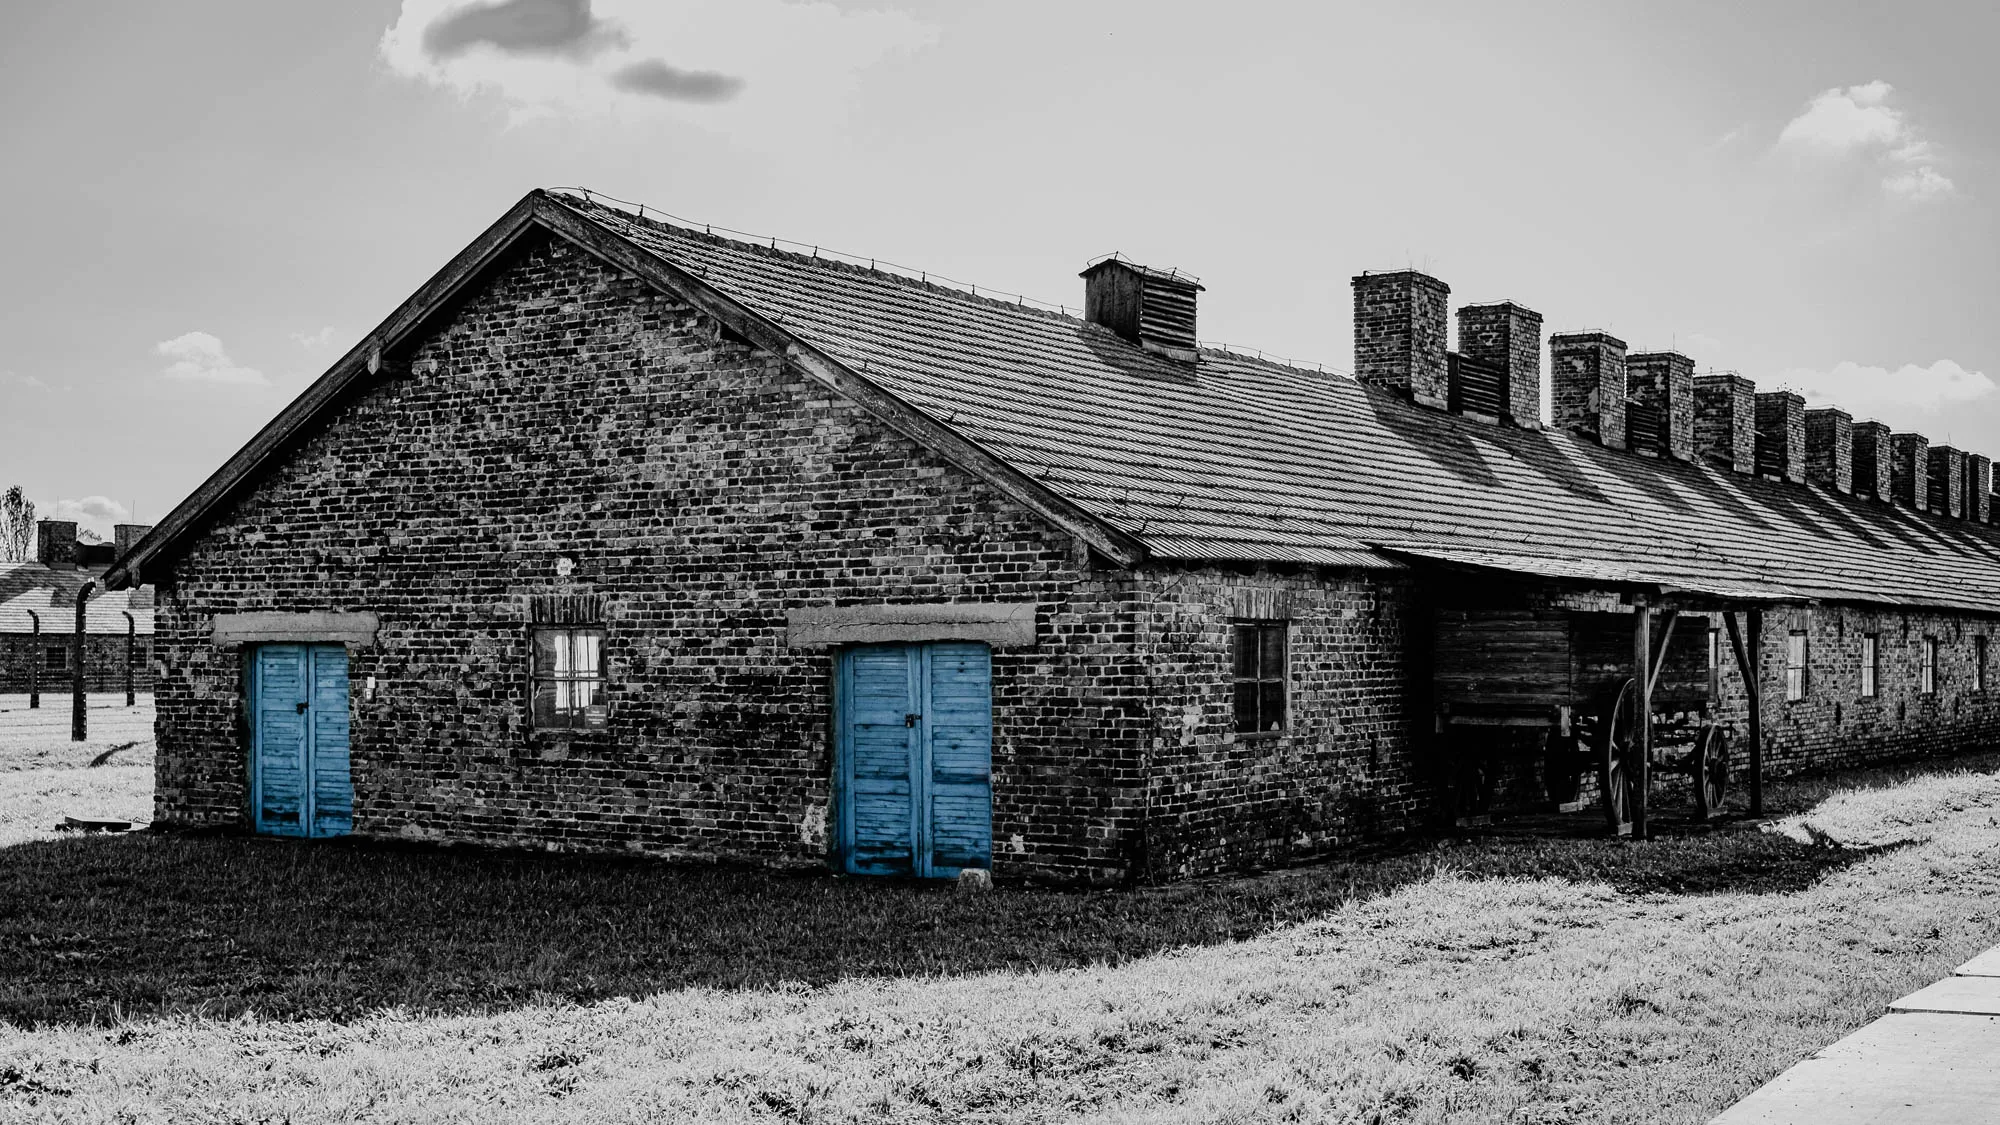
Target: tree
[17, 526]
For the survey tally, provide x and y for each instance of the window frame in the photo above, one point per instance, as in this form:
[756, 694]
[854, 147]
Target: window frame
[55, 658]
[1714, 663]
[1871, 665]
[1797, 679]
[1927, 667]
[1258, 629]
[588, 717]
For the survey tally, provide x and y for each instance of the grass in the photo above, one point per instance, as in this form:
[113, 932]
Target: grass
[44, 776]
[1489, 979]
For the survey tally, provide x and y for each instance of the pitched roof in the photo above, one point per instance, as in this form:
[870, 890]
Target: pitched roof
[1247, 459]
[1232, 459]
[51, 594]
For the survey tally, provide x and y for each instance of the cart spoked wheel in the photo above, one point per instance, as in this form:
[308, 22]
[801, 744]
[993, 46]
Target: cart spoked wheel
[1711, 770]
[1617, 751]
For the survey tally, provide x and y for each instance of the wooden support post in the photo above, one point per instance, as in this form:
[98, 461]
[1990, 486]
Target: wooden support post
[1642, 657]
[1660, 650]
[35, 658]
[131, 640]
[1747, 662]
[1756, 626]
[79, 721]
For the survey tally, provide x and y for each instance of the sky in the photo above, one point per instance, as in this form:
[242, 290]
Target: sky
[211, 201]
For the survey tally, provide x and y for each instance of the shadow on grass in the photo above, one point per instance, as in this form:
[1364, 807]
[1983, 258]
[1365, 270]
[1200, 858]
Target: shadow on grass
[95, 929]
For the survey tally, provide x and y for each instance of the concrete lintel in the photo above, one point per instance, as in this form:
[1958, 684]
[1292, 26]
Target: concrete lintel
[1000, 624]
[356, 630]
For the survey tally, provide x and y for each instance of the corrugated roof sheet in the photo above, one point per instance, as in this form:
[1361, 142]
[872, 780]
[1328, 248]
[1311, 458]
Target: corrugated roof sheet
[52, 594]
[1247, 459]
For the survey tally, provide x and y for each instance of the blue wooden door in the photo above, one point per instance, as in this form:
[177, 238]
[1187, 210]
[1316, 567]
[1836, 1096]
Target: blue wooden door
[916, 758]
[300, 782]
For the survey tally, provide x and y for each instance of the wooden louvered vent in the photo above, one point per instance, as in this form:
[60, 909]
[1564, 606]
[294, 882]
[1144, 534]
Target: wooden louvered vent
[1478, 387]
[1645, 428]
[1152, 308]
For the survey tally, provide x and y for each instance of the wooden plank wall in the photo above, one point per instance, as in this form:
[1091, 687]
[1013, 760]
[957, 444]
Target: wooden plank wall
[1512, 656]
[1603, 648]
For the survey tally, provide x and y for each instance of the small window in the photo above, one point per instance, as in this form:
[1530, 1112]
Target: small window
[1715, 663]
[1871, 665]
[1261, 674]
[568, 677]
[1795, 667]
[55, 659]
[1928, 677]
[1979, 664]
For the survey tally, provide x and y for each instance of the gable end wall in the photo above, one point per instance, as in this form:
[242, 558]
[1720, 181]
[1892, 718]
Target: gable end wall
[704, 490]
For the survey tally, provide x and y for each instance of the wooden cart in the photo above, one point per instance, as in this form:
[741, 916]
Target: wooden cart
[1603, 696]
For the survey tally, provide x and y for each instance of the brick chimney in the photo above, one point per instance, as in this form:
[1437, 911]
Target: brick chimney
[1830, 448]
[1781, 436]
[1509, 337]
[125, 534]
[1400, 324]
[1873, 458]
[55, 544]
[1587, 385]
[1148, 307]
[1664, 381]
[1978, 488]
[1946, 486]
[1909, 470]
[1725, 420]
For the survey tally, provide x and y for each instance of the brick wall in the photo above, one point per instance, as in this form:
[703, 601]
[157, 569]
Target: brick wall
[1509, 336]
[1781, 436]
[104, 663]
[1946, 487]
[1665, 380]
[1834, 726]
[1874, 460]
[1344, 770]
[702, 490]
[1587, 385]
[1400, 324]
[1909, 470]
[1725, 421]
[1830, 448]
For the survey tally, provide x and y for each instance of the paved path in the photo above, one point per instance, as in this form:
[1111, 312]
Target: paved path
[1935, 1058]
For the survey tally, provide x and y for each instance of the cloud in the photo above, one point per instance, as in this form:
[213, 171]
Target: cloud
[1861, 124]
[766, 72]
[528, 27]
[1919, 184]
[10, 379]
[1871, 390]
[91, 514]
[198, 358]
[314, 341]
[1856, 117]
[655, 77]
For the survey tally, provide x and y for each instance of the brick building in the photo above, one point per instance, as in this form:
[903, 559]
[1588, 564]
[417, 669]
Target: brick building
[38, 648]
[622, 536]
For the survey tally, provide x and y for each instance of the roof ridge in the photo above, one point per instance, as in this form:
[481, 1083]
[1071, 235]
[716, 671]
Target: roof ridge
[822, 258]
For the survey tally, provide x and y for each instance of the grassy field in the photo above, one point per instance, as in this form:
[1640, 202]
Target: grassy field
[44, 776]
[1494, 979]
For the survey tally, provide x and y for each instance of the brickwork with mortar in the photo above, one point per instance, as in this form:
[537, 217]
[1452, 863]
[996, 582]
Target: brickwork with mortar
[702, 489]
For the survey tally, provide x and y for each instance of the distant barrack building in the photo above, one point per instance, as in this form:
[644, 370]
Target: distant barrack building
[38, 616]
[619, 535]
